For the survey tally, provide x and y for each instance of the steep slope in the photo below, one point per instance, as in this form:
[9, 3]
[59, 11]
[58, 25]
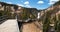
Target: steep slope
[11, 10]
[51, 16]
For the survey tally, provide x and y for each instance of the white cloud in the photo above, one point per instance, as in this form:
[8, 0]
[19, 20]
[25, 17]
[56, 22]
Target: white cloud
[40, 2]
[28, 6]
[27, 2]
[9, 2]
[20, 5]
[52, 1]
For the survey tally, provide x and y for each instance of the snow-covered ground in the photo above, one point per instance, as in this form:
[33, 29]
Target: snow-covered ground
[10, 25]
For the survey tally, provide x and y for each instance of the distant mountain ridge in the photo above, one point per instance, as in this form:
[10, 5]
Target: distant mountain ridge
[12, 8]
[55, 8]
[33, 11]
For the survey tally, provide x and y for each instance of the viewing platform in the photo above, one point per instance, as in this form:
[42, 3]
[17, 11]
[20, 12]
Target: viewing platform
[10, 25]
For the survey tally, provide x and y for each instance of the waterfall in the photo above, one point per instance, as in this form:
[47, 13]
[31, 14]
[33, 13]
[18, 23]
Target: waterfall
[38, 15]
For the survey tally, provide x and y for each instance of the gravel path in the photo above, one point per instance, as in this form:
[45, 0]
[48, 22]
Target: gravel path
[9, 26]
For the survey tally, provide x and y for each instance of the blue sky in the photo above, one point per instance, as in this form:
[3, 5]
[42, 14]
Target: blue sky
[39, 4]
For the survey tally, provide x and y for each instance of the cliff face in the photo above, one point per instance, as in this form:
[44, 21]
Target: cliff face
[52, 9]
[5, 6]
[13, 10]
[51, 16]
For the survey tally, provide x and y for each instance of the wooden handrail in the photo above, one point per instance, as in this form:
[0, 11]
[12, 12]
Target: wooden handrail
[3, 18]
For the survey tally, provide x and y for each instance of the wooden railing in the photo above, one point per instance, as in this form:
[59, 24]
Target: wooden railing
[3, 18]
